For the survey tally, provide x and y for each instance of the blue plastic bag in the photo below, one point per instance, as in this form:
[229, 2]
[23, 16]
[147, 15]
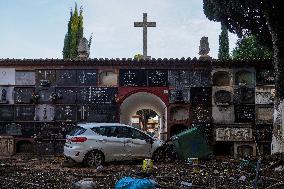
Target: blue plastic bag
[132, 183]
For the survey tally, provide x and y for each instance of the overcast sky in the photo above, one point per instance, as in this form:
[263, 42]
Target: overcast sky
[36, 28]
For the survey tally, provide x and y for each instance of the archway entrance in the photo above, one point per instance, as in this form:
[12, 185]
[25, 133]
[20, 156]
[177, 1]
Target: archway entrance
[177, 128]
[144, 100]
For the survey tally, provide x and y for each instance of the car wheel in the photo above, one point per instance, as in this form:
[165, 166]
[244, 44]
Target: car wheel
[94, 158]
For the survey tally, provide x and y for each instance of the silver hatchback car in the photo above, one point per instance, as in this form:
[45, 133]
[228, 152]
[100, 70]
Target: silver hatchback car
[96, 143]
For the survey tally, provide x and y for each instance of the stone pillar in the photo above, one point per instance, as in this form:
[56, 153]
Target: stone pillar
[277, 144]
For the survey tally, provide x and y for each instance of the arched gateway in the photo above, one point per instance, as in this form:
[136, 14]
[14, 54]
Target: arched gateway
[144, 100]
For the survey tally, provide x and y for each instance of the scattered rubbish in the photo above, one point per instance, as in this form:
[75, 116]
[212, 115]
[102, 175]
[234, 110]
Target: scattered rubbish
[100, 168]
[147, 165]
[192, 161]
[187, 184]
[135, 183]
[243, 178]
[86, 183]
[213, 173]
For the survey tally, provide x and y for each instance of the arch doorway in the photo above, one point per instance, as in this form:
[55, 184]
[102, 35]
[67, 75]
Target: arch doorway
[144, 100]
[177, 128]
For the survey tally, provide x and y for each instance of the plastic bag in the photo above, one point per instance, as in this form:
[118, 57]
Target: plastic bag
[132, 183]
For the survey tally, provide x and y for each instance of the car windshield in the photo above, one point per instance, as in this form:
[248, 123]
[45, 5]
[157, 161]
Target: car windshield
[77, 131]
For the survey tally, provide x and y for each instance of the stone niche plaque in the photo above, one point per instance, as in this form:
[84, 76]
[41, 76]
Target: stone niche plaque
[87, 77]
[200, 78]
[97, 113]
[245, 77]
[264, 114]
[245, 113]
[66, 95]
[24, 113]
[179, 78]
[56, 130]
[223, 98]
[179, 114]
[45, 112]
[108, 78]
[263, 132]
[244, 95]
[6, 112]
[133, 78]
[25, 78]
[45, 129]
[96, 95]
[221, 78]
[157, 78]
[65, 113]
[233, 134]
[264, 94]
[201, 114]
[45, 78]
[66, 77]
[45, 94]
[180, 95]
[265, 77]
[23, 95]
[7, 76]
[13, 129]
[201, 95]
[223, 114]
[6, 95]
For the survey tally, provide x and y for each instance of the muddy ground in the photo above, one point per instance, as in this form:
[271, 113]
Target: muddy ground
[26, 172]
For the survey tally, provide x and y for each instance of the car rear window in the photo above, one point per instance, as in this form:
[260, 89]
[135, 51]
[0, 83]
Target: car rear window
[77, 131]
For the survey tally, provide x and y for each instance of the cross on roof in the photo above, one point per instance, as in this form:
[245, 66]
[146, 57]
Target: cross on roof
[145, 25]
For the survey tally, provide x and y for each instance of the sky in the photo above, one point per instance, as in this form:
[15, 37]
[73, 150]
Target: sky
[36, 28]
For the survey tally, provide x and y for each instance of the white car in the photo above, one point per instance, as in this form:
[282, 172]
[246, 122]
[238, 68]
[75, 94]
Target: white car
[96, 143]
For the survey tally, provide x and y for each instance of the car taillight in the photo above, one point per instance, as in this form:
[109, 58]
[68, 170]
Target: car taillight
[78, 139]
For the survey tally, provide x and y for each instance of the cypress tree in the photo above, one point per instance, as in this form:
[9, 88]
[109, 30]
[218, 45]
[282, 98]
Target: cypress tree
[66, 48]
[74, 34]
[223, 44]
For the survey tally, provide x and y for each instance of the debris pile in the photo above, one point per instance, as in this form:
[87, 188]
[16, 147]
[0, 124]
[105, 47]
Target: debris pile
[223, 173]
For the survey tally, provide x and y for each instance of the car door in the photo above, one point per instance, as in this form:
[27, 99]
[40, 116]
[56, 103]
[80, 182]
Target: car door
[137, 144]
[111, 144]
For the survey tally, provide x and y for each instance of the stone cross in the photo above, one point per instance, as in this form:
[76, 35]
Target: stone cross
[145, 25]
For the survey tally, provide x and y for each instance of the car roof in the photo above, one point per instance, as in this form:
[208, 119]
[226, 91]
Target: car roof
[91, 125]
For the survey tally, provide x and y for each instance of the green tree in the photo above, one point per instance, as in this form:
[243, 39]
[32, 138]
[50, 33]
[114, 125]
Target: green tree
[224, 44]
[263, 19]
[74, 34]
[250, 48]
[146, 114]
[138, 57]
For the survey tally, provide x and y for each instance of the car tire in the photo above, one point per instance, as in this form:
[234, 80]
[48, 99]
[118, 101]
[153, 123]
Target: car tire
[94, 158]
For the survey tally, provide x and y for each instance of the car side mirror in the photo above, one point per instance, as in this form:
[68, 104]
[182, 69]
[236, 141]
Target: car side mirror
[150, 140]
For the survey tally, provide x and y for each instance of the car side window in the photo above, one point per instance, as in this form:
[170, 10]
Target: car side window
[135, 134]
[108, 131]
[122, 132]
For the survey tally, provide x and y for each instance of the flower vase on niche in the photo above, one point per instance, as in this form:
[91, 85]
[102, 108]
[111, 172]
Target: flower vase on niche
[35, 97]
[3, 99]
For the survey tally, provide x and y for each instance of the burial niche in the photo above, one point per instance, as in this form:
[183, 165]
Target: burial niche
[221, 78]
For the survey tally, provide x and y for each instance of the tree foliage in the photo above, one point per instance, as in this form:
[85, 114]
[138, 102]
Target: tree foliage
[239, 16]
[146, 114]
[74, 34]
[224, 44]
[138, 57]
[250, 48]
